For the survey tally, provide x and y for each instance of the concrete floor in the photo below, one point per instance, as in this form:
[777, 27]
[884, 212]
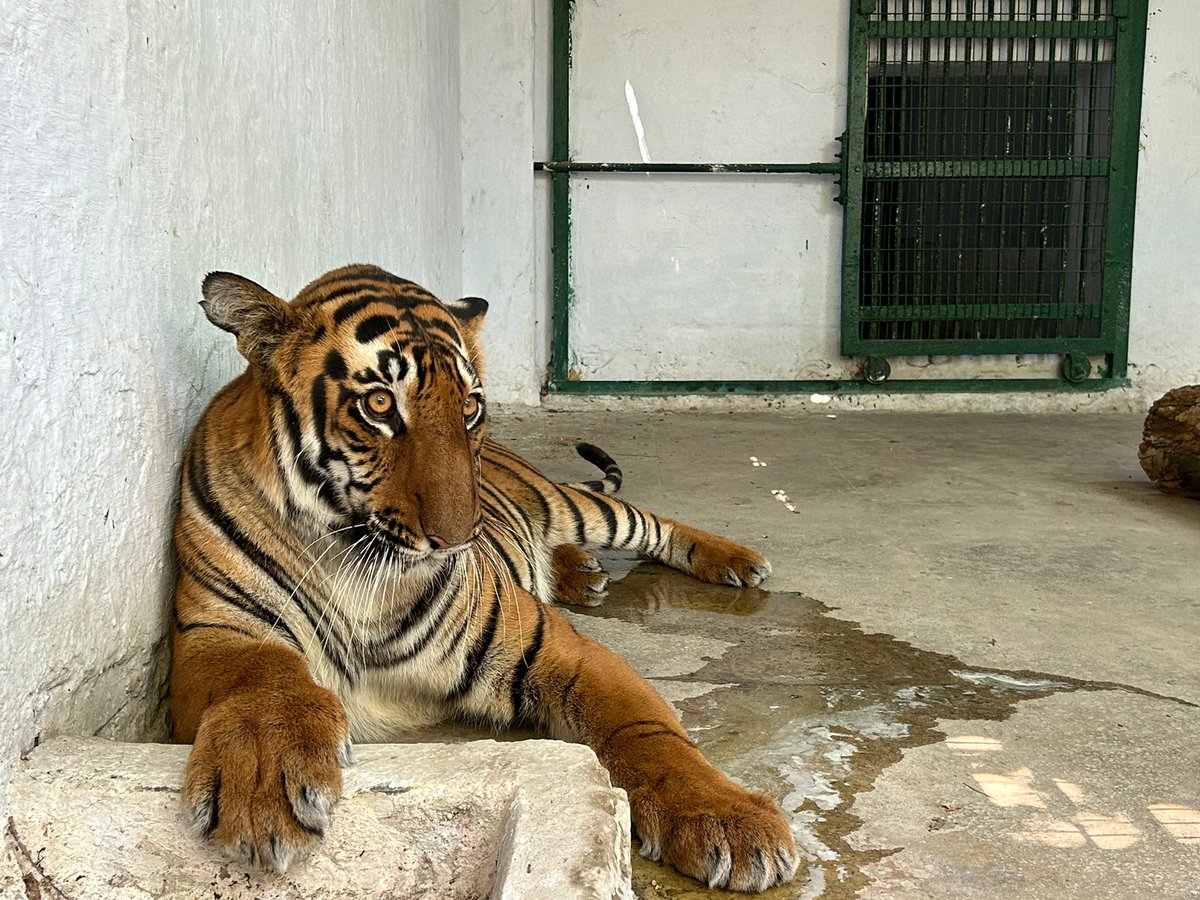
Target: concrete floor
[976, 669]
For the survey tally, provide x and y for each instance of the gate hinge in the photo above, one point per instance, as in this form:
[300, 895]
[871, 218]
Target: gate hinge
[839, 179]
[1076, 367]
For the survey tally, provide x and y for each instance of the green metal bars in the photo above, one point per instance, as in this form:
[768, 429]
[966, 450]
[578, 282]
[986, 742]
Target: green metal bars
[987, 170]
[992, 152]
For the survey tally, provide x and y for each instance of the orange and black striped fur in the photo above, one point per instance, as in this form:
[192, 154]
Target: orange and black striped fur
[356, 559]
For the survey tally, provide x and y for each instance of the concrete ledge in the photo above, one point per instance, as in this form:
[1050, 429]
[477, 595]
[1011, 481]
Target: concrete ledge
[92, 818]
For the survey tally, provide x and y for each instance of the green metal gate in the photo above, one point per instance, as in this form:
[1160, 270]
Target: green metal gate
[992, 154]
[987, 170]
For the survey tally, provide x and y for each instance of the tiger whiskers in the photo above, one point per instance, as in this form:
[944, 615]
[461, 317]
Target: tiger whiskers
[300, 582]
[334, 596]
[507, 586]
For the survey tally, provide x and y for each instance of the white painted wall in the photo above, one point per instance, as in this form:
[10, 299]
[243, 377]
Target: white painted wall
[1164, 333]
[661, 264]
[496, 118]
[143, 144]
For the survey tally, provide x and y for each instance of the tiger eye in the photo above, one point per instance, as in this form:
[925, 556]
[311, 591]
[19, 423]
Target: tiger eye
[380, 403]
[470, 406]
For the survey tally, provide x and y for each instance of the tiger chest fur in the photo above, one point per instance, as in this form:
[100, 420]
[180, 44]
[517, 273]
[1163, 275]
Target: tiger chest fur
[357, 559]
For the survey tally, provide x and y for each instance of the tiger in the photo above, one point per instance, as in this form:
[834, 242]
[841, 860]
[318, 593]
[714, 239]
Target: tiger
[357, 560]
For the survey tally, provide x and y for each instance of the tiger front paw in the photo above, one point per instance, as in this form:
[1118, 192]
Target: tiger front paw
[716, 832]
[265, 774]
[579, 579]
[718, 560]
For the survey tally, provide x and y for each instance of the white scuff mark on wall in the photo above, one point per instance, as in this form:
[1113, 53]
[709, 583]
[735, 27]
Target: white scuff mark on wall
[631, 99]
[820, 398]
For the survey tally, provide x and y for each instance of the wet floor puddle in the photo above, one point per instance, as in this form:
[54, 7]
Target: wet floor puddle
[794, 702]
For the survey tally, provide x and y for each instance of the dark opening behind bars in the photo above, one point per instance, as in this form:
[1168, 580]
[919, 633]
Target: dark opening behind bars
[985, 194]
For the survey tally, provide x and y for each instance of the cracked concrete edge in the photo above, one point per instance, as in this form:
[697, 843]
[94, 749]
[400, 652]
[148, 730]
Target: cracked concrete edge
[563, 868]
[12, 876]
[524, 819]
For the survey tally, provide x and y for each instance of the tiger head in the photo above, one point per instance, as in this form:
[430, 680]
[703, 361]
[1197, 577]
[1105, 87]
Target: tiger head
[375, 411]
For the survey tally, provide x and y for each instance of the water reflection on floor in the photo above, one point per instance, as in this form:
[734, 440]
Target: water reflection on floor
[792, 701]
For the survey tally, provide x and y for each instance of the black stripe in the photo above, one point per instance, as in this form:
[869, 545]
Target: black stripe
[479, 648]
[195, 626]
[492, 446]
[525, 482]
[612, 735]
[348, 309]
[657, 531]
[580, 523]
[358, 304]
[444, 327]
[291, 421]
[528, 658]
[234, 598]
[570, 685]
[457, 639]
[420, 361]
[643, 527]
[602, 461]
[273, 436]
[335, 365]
[221, 586]
[221, 519]
[610, 519]
[508, 560]
[384, 360]
[374, 327]
[420, 607]
[632, 523]
[317, 399]
[370, 275]
[184, 627]
[514, 513]
[424, 638]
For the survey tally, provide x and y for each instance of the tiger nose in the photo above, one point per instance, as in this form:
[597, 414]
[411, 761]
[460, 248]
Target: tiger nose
[438, 542]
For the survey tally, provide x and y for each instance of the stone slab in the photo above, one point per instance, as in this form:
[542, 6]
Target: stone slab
[93, 818]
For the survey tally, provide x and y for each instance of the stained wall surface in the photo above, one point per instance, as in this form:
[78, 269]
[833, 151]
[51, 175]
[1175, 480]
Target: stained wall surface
[1164, 330]
[738, 277]
[143, 144]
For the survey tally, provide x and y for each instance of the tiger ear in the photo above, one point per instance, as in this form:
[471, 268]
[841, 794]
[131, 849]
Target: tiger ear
[469, 311]
[257, 317]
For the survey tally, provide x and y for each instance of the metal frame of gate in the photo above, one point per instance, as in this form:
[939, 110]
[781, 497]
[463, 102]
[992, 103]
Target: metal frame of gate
[1085, 193]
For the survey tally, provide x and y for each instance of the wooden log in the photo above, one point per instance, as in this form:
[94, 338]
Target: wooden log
[1170, 448]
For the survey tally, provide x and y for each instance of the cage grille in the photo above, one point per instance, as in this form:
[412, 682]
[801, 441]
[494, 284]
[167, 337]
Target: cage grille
[991, 10]
[985, 193]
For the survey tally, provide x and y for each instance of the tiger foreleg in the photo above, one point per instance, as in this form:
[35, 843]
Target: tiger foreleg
[264, 773]
[710, 557]
[579, 579]
[599, 520]
[685, 811]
